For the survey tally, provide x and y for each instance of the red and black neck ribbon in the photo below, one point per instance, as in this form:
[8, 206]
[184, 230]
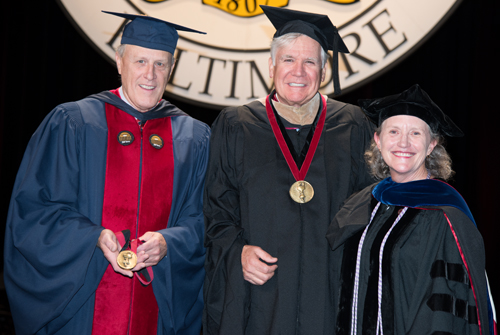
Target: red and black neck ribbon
[287, 148]
[138, 197]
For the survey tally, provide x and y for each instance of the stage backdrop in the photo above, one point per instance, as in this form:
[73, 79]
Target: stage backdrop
[229, 65]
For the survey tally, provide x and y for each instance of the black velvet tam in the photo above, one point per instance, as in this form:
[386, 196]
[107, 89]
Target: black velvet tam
[415, 102]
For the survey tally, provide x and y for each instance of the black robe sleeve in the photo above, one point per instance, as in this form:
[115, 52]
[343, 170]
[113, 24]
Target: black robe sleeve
[224, 277]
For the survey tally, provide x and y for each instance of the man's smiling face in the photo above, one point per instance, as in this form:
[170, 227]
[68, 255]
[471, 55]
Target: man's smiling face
[144, 74]
[298, 71]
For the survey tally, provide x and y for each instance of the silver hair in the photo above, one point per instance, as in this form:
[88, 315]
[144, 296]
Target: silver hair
[438, 162]
[285, 40]
[121, 51]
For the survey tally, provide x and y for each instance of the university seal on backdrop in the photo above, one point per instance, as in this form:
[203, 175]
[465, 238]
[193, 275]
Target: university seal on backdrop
[229, 65]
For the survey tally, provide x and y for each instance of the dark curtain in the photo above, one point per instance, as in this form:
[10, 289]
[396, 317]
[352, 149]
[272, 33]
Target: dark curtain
[44, 62]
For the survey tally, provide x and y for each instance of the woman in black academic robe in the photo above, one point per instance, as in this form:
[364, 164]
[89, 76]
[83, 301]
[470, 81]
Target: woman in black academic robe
[411, 260]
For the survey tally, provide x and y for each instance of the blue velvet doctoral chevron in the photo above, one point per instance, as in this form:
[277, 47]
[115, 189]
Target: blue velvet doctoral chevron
[420, 193]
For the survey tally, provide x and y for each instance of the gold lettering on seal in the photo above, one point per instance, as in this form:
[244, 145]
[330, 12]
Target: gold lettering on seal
[244, 8]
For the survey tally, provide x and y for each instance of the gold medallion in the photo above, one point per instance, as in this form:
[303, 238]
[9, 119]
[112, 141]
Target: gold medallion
[301, 192]
[126, 259]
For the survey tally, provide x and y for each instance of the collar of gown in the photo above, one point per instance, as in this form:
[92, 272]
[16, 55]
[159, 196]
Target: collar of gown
[420, 193]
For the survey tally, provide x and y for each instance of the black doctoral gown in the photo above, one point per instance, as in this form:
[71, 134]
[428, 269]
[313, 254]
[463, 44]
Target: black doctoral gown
[247, 201]
[433, 263]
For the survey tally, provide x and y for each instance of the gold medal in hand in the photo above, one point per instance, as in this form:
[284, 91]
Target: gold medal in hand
[126, 259]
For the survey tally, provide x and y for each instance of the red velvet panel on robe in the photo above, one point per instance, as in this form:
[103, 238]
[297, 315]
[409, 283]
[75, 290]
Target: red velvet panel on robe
[138, 197]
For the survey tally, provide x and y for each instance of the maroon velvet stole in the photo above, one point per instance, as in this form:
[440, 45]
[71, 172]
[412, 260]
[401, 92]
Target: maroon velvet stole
[138, 197]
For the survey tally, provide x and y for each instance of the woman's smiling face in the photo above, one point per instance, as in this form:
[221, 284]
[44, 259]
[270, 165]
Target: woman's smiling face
[404, 142]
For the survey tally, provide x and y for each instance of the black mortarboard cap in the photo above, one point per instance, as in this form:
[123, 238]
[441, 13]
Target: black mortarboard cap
[150, 32]
[316, 26]
[415, 102]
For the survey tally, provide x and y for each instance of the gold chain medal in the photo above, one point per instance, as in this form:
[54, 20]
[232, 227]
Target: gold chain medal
[301, 191]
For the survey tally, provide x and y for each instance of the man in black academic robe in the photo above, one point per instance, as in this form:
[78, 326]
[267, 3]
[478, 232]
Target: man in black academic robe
[268, 262]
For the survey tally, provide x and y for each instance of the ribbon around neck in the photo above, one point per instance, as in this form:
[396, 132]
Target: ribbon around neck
[297, 174]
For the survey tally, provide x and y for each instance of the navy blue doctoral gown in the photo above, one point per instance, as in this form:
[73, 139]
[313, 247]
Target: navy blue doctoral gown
[52, 264]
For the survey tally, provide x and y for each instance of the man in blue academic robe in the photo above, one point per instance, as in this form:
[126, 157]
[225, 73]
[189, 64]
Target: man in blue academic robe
[122, 170]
